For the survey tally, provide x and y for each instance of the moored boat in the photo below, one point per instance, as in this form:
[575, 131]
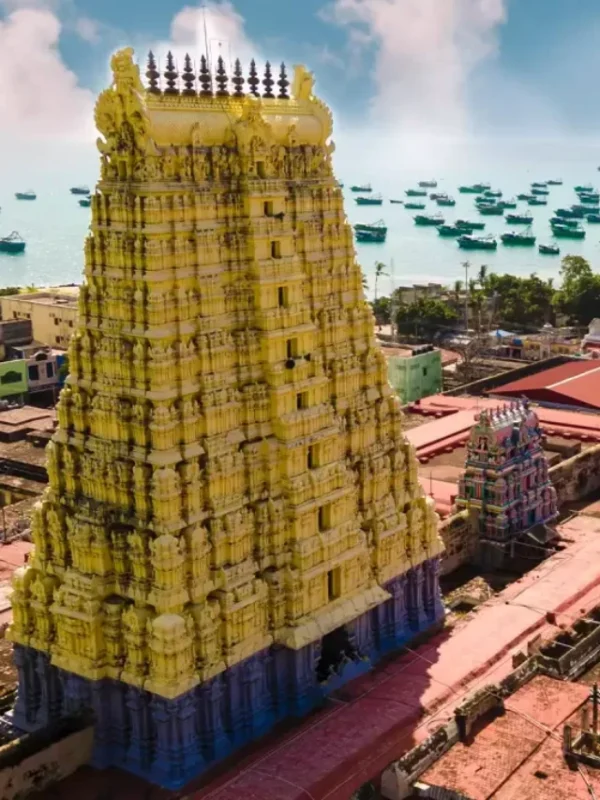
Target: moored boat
[357, 188]
[584, 188]
[524, 196]
[470, 226]
[437, 195]
[475, 188]
[539, 184]
[12, 244]
[415, 193]
[570, 223]
[28, 195]
[492, 193]
[566, 213]
[429, 219]
[397, 202]
[430, 184]
[444, 200]
[538, 192]
[549, 249]
[374, 200]
[525, 238]
[492, 210]
[85, 190]
[371, 232]
[468, 242]
[590, 199]
[512, 203]
[85, 202]
[519, 219]
[564, 232]
[537, 201]
[583, 210]
[594, 218]
[554, 182]
[451, 230]
[414, 206]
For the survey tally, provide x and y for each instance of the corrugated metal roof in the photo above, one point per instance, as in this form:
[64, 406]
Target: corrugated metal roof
[576, 383]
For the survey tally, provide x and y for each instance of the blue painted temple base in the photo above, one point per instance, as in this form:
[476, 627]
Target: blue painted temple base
[169, 742]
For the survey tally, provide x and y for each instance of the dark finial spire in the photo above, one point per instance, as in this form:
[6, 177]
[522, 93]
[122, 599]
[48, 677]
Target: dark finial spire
[221, 79]
[188, 77]
[204, 79]
[268, 81]
[153, 75]
[171, 75]
[283, 83]
[253, 80]
[238, 80]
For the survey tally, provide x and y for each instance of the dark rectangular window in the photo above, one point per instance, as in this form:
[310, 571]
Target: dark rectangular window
[282, 296]
[268, 208]
[275, 249]
[291, 347]
[324, 517]
[260, 169]
[50, 370]
[310, 456]
[334, 589]
[34, 373]
[301, 400]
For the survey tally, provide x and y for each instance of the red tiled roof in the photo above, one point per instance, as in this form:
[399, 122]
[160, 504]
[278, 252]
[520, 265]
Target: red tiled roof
[576, 383]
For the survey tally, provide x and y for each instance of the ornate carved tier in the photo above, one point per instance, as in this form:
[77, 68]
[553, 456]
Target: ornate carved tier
[233, 509]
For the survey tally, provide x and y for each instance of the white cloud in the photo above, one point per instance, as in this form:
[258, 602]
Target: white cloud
[88, 29]
[39, 96]
[424, 51]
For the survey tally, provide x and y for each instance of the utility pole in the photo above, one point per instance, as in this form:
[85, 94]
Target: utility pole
[467, 267]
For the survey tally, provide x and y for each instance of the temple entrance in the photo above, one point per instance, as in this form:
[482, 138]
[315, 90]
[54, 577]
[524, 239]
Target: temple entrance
[337, 650]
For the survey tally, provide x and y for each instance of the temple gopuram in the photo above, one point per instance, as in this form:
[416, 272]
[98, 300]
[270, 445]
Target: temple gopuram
[506, 487]
[233, 525]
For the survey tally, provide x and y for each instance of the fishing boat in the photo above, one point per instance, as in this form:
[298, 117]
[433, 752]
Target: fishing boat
[366, 188]
[539, 184]
[519, 219]
[437, 195]
[566, 213]
[584, 188]
[593, 218]
[452, 230]
[468, 242]
[564, 232]
[415, 193]
[371, 233]
[588, 192]
[590, 199]
[549, 249]
[12, 244]
[375, 200]
[570, 223]
[470, 226]
[414, 206]
[512, 203]
[537, 192]
[79, 190]
[475, 188]
[429, 219]
[524, 196]
[491, 210]
[397, 202]
[537, 201]
[85, 202]
[431, 184]
[525, 238]
[583, 210]
[28, 195]
[492, 193]
[553, 182]
[446, 201]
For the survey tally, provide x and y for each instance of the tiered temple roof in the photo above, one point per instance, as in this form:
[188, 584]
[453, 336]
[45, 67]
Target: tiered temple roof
[229, 483]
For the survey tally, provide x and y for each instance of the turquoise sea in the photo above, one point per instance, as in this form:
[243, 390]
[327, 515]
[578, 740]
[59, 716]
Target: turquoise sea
[55, 225]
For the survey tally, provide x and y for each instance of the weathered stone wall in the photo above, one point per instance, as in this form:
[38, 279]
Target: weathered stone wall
[44, 767]
[577, 477]
[460, 542]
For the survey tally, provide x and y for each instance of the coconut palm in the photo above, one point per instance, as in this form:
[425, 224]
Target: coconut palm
[380, 270]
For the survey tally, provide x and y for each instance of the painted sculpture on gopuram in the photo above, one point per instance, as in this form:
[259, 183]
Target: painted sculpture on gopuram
[233, 525]
[506, 486]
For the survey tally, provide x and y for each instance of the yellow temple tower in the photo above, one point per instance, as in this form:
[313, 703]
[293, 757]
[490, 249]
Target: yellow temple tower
[233, 525]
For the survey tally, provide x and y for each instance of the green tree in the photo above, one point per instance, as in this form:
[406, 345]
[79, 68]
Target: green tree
[382, 309]
[482, 277]
[520, 301]
[579, 295]
[380, 271]
[426, 315]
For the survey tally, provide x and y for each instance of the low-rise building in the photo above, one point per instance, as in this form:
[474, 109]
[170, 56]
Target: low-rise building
[53, 313]
[414, 373]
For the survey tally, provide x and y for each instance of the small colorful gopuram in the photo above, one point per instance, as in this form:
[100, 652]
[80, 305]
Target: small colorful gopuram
[233, 525]
[506, 486]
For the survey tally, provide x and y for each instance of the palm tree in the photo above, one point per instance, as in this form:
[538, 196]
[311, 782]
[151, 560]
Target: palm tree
[457, 291]
[482, 276]
[380, 269]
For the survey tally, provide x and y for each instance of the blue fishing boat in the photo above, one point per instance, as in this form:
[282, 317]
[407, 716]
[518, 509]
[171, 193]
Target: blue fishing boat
[12, 244]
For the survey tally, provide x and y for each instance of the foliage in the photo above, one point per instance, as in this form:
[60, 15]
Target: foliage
[63, 370]
[380, 270]
[8, 290]
[579, 295]
[520, 301]
[382, 309]
[425, 315]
